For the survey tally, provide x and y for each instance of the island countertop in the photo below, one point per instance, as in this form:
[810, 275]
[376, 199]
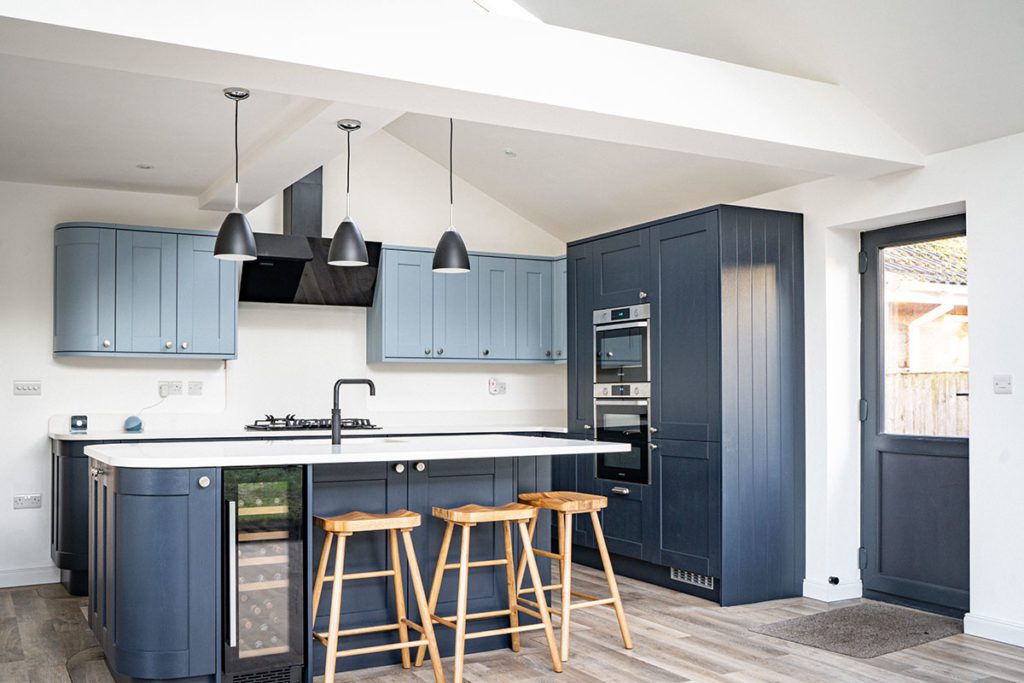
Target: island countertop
[250, 452]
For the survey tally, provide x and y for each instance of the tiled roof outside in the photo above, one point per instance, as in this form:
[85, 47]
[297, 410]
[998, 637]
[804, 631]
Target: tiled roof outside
[940, 262]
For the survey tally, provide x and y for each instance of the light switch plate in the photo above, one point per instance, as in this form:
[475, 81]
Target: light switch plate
[1002, 384]
[24, 387]
[195, 388]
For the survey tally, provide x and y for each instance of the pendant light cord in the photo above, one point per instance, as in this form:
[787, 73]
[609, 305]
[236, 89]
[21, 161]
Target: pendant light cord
[451, 179]
[348, 174]
[236, 155]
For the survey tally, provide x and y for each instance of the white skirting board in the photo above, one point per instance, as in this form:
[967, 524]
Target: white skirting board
[30, 576]
[1011, 632]
[826, 592]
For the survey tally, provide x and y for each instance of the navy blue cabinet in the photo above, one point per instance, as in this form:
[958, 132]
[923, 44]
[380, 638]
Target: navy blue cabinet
[580, 338]
[497, 308]
[534, 298]
[133, 291]
[725, 502]
[83, 297]
[156, 528]
[686, 328]
[622, 269]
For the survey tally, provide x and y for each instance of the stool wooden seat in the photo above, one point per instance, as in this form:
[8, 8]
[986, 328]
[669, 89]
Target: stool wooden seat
[564, 501]
[466, 517]
[476, 514]
[340, 528]
[565, 504]
[352, 522]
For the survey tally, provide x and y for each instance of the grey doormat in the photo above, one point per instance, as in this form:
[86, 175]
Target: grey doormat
[864, 631]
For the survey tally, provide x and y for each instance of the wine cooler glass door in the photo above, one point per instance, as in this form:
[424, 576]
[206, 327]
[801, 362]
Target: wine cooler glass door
[264, 582]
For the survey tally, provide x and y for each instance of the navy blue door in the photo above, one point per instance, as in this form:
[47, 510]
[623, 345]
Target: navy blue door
[914, 439]
[622, 269]
[580, 338]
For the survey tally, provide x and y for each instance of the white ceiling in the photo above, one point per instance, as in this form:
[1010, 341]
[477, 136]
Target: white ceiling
[575, 187]
[66, 124]
[943, 73]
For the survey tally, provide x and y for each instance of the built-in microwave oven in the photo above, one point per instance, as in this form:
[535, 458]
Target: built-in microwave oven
[622, 345]
[625, 420]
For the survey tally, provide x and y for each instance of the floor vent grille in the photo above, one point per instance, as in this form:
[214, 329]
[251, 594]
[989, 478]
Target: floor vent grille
[692, 578]
[291, 674]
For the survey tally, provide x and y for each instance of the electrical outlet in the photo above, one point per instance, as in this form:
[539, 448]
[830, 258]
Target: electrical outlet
[28, 387]
[195, 388]
[177, 387]
[26, 501]
[496, 387]
[170, 388]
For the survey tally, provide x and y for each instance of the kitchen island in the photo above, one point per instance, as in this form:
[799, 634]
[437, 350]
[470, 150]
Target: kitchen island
[201, 554]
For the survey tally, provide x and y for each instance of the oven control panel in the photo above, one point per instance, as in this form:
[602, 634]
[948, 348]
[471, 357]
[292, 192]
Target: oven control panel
[635, 390]
[624, 314]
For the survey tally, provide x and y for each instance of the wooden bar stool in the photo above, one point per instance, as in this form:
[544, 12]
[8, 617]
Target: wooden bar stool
[466, 517]
[343, 526]
[566, 504]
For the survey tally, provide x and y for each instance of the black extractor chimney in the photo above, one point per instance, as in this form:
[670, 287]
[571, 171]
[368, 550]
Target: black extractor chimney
[292, 268]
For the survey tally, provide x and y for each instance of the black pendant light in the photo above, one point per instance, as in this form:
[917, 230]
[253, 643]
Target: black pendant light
[450, 255]
[348, 248]
[235, 241]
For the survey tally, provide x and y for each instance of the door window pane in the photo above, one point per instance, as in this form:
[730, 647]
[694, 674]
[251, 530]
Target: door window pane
[925, 327]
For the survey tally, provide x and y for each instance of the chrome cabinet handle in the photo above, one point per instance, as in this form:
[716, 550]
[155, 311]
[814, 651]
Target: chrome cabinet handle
[653, 430]
[204, 482]
[168, 344]
[106, 343]
[487, 352]
[620, 490]
[643, 295]
[184, 345]
[609, 354]
[440, 351]
[588, 426]
[558, 353]
[426, 352]
[233, 574]
[652, 446]
[420, 466]
[399, 467]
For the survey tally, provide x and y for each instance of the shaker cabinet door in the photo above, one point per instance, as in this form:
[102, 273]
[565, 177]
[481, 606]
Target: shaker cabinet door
[456, 312]
[622, 269]
[408, 304]
[147, 276]
[83, 297]
[497, 308]
[533, 310]
[207, 298]
[559, 305]
[580, 339]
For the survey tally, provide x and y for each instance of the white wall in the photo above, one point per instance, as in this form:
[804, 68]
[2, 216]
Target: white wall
[289, 356]
[989, 179]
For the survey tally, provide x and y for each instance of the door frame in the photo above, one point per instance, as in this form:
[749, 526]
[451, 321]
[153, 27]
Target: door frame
[873, 438]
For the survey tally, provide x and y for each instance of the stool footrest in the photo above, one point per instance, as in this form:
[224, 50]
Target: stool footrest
[381, 648]
[362, 575]
[504, 631]
[547, 553]
[591, 603]
[450, 621]
[528, 591]
[478, 563]
[552, 610]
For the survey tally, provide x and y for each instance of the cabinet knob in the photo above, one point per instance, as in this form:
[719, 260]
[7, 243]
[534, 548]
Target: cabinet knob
[426, 352]
[643, 295]
[420, 466]
[106, 343]
[399, 467]
[653, 430]
[184, 345]
[588, 426]
[440, 351]
[558, 352]
[652, 446]
[204, 482]
[487, 352]
[548, 353]
[168, 344]
[609, 354]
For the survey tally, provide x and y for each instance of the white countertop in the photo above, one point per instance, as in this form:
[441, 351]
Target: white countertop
[239, 432]
[254, 453]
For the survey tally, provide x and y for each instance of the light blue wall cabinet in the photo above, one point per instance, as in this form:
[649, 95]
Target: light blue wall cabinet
[138, 291]
[207, 299]
[497, 308]
[83, 297]
[456, 312]
[506, 309]
[146, 276]
[407, 299]
[533, 310]
[559, 306]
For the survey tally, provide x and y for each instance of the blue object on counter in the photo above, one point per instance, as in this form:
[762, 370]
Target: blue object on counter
[133, 423]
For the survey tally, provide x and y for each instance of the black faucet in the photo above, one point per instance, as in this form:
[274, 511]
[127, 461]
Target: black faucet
[336, 410]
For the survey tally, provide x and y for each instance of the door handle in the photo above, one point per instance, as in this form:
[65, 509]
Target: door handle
[652, 446]
[487, 352]
[106, 343]
[420, 466]
[440, 351]
[620, 490]
[233, 574]
[399, 467]
[426, 352]
[184, 345]
[168, 344]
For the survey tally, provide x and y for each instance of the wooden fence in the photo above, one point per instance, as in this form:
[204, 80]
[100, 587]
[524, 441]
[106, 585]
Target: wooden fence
[926, 403]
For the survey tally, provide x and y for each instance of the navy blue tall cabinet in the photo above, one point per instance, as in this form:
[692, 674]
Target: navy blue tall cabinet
[723, 516]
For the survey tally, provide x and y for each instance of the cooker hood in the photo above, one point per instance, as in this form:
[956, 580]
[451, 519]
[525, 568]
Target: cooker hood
[292, 268]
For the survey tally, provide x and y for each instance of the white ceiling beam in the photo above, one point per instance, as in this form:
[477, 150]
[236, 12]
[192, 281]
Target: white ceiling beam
[407, 55]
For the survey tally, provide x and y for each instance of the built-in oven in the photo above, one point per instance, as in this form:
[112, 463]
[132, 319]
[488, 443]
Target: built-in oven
[624, 419]
[622, 345]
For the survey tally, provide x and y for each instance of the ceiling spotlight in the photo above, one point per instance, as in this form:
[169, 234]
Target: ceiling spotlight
[144, 167]
[510, 153]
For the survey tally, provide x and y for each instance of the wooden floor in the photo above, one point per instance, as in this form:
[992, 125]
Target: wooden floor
[44, 638]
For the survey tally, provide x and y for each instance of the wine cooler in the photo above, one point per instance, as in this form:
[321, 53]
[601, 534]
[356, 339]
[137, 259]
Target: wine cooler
[264, 575]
